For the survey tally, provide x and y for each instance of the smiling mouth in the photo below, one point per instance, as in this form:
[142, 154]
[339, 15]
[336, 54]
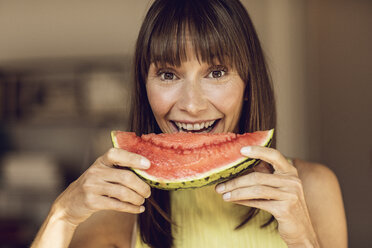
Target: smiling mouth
[201, 127]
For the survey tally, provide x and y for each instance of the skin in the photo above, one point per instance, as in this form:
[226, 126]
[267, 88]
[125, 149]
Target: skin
[280, 193]
[197, 92]
[106, 185]
[305, 198]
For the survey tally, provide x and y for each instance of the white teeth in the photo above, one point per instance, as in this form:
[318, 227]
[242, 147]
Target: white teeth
[195, 127]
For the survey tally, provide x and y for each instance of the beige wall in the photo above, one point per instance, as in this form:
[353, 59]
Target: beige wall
[318, 51]
[340, 74]
[43, 28]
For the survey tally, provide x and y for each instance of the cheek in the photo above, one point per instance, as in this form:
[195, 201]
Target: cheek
[228, 100]
[161, 100]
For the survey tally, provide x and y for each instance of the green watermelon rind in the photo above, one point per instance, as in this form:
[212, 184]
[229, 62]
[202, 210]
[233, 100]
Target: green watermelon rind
[114, 140]
[221, 174]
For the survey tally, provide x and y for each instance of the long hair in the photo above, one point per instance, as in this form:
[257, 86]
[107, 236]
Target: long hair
[217, 29]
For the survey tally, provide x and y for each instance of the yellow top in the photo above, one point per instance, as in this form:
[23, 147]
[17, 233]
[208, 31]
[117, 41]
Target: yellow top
[205, 220]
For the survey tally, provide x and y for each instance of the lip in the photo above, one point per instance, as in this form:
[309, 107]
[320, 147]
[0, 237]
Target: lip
[215, 126]
[175, 128]
[194, 122]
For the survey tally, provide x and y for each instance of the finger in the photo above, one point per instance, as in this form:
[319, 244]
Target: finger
[256, 178]
[256, 192]
[107, 203]
[128, 179]
[270, 155]
[264, 167]
[123, 158]
[120, 193]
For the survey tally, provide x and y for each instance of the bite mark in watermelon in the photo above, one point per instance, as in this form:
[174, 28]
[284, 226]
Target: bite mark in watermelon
[191, 160]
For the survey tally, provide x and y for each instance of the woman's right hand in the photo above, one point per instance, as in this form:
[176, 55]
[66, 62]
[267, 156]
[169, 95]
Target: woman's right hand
[106, 185]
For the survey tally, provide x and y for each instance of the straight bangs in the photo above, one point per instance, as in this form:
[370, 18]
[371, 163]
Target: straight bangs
[194, 28]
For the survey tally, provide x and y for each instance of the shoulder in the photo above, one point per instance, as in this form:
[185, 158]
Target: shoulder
[324, 201]
[316, 176]
[105, 229]
[320, 186]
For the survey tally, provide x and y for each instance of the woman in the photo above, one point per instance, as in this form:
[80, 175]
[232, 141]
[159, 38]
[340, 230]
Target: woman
[198, 62]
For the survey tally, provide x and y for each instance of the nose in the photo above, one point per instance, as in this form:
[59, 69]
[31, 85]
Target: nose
[193, 100]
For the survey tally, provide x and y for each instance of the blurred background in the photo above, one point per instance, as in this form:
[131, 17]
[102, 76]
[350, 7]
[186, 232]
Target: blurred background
[65, 71]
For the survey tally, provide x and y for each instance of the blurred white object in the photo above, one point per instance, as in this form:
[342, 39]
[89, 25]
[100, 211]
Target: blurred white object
[106, 91]
[30, 182]
[32, 171]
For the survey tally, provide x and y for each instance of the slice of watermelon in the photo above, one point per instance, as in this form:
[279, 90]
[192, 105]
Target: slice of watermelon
[189, 160]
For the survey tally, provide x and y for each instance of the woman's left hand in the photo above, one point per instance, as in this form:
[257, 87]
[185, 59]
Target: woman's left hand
[280, 194]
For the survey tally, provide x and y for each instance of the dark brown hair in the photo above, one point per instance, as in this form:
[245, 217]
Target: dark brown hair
[218, 30]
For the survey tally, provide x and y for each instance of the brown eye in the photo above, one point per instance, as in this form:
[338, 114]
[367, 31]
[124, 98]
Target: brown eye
[167, 76]
[216, 74]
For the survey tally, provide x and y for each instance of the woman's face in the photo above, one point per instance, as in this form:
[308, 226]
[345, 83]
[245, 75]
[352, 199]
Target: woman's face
[195, 97]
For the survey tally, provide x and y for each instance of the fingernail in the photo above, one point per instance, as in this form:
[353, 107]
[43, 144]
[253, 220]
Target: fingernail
[145, 163]
[226, 196]
[246, 150]
[220, 188]
[142, 209]
[148, 195]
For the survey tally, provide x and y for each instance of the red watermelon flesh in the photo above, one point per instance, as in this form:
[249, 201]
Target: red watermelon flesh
[185, 157]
